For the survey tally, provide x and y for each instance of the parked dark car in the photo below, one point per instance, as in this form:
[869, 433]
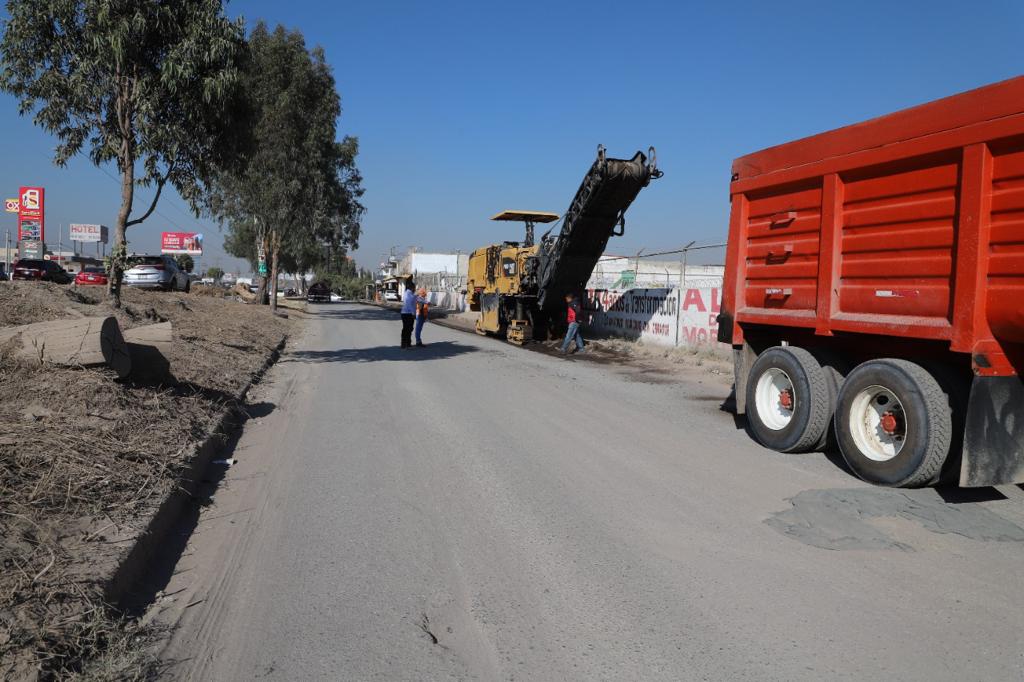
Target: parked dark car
[41, 270]
[319, 293]
[91, 275]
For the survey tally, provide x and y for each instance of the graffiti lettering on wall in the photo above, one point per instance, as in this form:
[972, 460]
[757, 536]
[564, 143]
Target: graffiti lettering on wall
[663, 316]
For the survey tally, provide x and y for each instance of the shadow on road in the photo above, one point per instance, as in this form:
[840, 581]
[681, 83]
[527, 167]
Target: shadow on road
[356, 313]
[365, 313]
[162, 564]
[441, 350]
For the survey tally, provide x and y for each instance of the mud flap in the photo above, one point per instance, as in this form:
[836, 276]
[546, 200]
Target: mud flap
[743, 358]
[994, 433]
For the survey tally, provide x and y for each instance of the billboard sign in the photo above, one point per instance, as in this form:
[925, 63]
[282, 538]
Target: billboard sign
[31, 249]
[88, 233]
[665, 317]
[182, 242]
[648, 314]
[31, 214]
[12, 205]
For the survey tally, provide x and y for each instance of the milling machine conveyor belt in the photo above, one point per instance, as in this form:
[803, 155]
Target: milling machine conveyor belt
[610, 186]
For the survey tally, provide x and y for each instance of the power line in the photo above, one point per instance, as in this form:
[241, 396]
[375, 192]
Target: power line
[665, 253]
[157, 212]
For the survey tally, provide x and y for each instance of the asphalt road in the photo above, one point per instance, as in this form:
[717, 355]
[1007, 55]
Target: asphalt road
[473, 510]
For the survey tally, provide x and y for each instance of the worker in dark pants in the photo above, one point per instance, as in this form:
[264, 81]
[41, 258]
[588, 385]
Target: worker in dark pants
[573, 317]
[422, 312]
[408, 312]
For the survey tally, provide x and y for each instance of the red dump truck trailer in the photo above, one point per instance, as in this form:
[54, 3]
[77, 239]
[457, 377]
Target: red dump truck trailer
[874, 292]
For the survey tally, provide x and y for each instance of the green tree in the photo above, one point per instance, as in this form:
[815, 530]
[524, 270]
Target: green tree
[296, 198]
[185, 262]
[145, 84]
[215, 272]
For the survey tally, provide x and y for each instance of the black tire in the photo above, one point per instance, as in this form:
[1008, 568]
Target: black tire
[835, 369]
[188, 286]
[956, 383]
[926, 423]
[812, 403]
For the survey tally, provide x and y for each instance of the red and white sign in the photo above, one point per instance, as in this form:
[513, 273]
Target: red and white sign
[698, 316]
[666, 317]
[182, 242]
[31, 214]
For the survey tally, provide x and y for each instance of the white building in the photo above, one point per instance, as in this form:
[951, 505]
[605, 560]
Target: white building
[423, 263]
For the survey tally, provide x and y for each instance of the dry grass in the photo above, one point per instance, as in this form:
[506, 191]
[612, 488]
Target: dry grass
[85, 460]
[712, 358]
[207, 290]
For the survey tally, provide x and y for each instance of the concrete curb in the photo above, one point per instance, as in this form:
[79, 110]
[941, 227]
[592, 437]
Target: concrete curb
[132, 565]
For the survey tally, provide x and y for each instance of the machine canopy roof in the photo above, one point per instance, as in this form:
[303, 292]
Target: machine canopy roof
[524, 216]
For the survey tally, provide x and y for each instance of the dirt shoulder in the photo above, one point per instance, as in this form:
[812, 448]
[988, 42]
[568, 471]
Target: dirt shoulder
[638, 360]
[86, 460]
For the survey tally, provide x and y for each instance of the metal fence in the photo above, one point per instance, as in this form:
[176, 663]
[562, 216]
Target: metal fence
[653, 270]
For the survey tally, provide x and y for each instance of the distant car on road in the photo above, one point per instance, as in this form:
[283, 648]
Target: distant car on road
[156, 272]
[91, 275]
[41, 270]
[390, 295]
[319, 293]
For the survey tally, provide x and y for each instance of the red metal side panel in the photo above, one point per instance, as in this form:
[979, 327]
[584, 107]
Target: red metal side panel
[782, 234]
[898, 236]
[911, 225]
[1005, 302]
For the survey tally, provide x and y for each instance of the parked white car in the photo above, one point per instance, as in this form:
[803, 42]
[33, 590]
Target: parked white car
[156, 272]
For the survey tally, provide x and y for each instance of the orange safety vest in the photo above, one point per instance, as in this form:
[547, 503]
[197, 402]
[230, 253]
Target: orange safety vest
[421, 309]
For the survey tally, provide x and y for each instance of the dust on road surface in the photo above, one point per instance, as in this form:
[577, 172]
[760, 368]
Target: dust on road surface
[471, 510]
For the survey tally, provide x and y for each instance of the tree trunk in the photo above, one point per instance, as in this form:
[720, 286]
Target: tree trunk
[276, 245]
[261, 291]
[83, 342]
[150, 350]
[126, 164]
[119, 252]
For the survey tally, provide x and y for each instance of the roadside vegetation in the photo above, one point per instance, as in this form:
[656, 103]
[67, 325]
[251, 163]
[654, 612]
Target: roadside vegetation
[292, 202]
[344, 278]
[243, 127]
[148, 87]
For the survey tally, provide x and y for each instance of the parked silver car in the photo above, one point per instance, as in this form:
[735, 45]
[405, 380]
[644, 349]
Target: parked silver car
[156, 272]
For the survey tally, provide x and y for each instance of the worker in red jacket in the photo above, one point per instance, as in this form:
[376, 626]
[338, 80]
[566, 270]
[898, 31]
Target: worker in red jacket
[573, 317]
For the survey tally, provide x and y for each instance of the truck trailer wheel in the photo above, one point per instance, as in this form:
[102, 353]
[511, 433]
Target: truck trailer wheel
[893, 423]
[789, 403]
[835, 369]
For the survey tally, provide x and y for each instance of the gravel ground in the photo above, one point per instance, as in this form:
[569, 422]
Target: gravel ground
[473, 510]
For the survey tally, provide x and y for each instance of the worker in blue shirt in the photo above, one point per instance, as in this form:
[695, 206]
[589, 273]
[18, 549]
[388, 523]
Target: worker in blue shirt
[408, 312]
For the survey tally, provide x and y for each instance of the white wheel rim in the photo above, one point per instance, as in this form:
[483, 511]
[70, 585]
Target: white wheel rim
[878, 423]
[773, 407]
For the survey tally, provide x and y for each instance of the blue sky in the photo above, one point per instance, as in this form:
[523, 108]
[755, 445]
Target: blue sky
[465, 108]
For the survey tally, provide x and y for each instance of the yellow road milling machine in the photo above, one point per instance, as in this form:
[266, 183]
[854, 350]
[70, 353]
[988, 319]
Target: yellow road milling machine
[519, 289]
